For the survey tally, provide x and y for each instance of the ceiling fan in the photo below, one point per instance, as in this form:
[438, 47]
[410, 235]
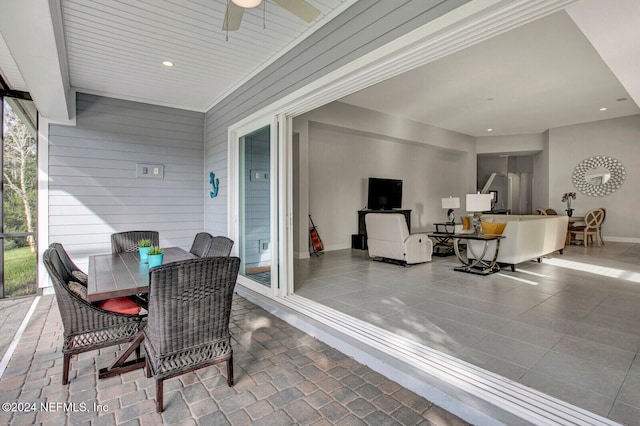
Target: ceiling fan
[235, 10]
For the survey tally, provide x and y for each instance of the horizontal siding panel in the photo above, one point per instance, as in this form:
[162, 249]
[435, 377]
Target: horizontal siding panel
[61, 134]
[132, 106]
[164, 118]
[95, 202]
[149, 215]
[85, 209]
[93, 188]
[96, 172]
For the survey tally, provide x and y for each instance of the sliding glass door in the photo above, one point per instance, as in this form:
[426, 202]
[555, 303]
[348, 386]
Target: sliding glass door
[255, 204]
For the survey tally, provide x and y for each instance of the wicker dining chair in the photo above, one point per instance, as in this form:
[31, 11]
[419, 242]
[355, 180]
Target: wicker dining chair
[220, 246]
[86, 327]
[201, 244]
[71, 268]
[123, 242]
[189, 311]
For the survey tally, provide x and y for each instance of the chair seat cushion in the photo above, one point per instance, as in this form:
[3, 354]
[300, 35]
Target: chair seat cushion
[120, 305]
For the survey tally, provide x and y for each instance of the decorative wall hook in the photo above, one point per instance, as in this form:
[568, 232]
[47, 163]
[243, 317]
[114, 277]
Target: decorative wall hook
[215, 183]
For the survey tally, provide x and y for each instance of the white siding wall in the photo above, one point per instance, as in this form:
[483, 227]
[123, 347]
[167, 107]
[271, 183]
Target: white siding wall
[93, 188]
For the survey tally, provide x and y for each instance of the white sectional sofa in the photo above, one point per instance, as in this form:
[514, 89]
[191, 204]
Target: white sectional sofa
[527, 237]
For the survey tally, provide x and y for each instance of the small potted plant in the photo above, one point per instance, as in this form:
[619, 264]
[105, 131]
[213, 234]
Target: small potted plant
[566, 198]
[155, 256]
[143, 248]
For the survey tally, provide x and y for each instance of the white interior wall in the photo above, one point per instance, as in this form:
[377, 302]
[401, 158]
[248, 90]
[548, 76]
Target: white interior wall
[433, 163]
[617, 138]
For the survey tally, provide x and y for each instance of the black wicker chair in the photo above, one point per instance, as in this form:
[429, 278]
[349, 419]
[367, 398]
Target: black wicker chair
[72, 269]
[201, 244]
[220, 246]
[189, 310]
[86, 327]
[123, 242]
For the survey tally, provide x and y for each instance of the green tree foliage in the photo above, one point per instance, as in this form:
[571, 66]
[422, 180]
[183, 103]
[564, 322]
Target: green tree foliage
[20, 178]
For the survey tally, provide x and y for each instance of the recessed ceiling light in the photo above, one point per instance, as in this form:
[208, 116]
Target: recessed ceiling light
[167, 64]
[489, 130]
[603, 109]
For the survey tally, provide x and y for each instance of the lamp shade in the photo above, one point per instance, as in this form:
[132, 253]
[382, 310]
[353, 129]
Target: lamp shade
[247, 3]
[479, 202]
[451, 203]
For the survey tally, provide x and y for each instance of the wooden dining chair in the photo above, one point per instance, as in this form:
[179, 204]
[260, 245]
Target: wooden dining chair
[86, 327]
[123, 242]
[550, 212]
[189, 312]
[201, 244]
[592, 224]
[220, 246]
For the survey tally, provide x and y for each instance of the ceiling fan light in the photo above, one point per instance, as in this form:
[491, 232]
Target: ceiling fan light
[247, 3]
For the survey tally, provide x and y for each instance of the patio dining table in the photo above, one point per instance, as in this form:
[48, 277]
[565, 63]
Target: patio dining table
[121, 275]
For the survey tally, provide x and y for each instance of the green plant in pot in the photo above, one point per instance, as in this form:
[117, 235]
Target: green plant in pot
[155, 256]
[143, 248]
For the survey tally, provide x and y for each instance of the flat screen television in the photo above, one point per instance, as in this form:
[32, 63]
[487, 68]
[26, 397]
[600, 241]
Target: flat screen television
[384, 194]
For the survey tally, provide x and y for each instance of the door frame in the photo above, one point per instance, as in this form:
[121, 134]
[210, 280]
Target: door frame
[278, 222]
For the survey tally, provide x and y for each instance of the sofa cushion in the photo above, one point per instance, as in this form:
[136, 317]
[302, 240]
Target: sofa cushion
[493, 228]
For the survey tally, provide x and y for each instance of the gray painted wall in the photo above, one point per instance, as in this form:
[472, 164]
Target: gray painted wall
[362, 28]
[93, 188]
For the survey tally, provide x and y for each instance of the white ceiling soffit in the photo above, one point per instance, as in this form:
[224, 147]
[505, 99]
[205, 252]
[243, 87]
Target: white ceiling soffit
[9, 70]
[618, 42]
[29, 30]
[542, 75]
[116, 47]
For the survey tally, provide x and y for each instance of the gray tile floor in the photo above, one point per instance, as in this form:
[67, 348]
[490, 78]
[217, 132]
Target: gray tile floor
[283, 377]
[569, 326]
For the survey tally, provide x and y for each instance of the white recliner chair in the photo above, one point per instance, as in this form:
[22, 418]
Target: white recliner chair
[388, 238]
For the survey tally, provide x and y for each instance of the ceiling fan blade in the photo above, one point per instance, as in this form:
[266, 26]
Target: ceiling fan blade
[232, 17]
[300, 8]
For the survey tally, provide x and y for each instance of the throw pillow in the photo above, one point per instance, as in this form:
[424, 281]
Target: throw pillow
[466, 222]
[80, 277]
[492, 228]
[78, 289]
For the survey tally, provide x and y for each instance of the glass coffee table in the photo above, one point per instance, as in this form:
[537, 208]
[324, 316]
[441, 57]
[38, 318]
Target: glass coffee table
[477, 265]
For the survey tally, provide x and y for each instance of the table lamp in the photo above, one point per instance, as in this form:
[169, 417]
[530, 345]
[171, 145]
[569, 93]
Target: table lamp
[476, 204]
[451, 203]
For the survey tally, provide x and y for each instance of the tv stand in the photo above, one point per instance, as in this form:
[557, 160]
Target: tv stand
[362, 227]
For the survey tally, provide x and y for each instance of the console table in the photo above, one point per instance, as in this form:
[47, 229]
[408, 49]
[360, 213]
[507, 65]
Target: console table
[361, 237]
[477, 265]
[443, 237]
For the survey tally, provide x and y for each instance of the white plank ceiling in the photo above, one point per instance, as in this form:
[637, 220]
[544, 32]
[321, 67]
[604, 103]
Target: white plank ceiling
[116, 47]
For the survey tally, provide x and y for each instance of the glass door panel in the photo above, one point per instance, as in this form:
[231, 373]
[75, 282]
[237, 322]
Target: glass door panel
[255, 206]
[18, 250]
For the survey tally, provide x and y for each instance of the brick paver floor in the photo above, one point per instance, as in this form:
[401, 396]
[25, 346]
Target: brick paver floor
[283, 377]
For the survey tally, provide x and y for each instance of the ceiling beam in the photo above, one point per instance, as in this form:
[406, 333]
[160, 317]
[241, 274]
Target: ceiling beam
[33, 33]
